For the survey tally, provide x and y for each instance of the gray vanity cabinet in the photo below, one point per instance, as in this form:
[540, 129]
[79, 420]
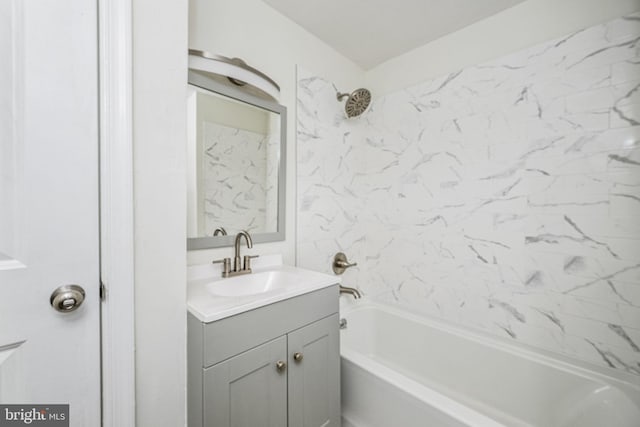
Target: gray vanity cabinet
[275, 366]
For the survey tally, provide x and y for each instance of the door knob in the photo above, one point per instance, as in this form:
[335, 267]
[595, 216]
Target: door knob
[297, 356]
[281, 366]
[67, 298]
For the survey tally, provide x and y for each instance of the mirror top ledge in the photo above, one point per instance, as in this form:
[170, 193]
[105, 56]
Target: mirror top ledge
[211, 297]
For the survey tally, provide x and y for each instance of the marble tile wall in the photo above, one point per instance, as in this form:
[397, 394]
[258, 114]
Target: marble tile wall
[238, 171]
[504, 196]
[330, 154]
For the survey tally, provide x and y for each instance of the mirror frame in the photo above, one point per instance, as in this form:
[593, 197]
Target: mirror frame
[202, 81]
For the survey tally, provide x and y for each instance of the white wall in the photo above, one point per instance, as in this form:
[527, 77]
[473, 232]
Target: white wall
[523, 25]
[253, 31]
[159, 127]
[231, 113]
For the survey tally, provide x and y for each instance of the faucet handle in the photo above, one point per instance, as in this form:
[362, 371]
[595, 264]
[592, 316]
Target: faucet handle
[340, 263]
[247, 261]
[226, 265]
[220, 231]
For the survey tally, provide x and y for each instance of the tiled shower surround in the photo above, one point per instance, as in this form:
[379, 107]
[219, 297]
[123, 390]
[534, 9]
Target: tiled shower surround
[504, 196]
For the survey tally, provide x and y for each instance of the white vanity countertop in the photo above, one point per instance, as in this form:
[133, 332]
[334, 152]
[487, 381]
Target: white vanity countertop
[207, 306]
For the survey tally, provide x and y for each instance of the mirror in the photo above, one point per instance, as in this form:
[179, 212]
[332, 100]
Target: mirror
[235, 165]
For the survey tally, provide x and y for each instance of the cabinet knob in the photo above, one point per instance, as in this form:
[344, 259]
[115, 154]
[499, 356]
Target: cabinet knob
[297, 356]
[281, 366]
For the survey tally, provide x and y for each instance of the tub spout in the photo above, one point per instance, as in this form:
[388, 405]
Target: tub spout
[351, 291]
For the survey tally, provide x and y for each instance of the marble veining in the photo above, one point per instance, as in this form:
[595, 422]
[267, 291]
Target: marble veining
[238, 174]
[504, 196]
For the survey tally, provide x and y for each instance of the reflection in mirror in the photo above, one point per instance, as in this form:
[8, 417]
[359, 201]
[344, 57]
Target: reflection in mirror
[237, 166]
[236, 170]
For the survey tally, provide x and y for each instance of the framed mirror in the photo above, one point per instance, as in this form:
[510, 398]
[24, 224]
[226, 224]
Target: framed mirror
[236, 158]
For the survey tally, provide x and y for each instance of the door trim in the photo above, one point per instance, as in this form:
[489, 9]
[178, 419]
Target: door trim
[116, 212]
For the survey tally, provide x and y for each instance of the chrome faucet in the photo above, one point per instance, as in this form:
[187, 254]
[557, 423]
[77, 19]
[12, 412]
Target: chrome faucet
[237, 268]
[351, 291]
[236, 259]
[220, 231]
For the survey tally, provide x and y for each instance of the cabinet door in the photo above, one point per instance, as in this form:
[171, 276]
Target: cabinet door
[314, 380]
[248, 390]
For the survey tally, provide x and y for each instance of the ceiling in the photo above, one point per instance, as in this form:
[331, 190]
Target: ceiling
[370, 32]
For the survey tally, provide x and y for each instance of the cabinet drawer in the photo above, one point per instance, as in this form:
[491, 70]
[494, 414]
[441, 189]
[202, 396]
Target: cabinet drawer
[227, 337]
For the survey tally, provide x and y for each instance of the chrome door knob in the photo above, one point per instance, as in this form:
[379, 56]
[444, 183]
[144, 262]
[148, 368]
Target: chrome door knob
[297, 356]
[67, 298]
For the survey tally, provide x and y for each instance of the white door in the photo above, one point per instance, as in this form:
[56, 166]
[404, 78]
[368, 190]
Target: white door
[49, 205]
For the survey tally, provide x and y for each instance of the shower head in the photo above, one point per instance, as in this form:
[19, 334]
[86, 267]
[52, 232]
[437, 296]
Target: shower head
[357, 101]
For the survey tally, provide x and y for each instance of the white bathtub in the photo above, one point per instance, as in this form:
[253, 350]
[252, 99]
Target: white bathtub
[401, 370]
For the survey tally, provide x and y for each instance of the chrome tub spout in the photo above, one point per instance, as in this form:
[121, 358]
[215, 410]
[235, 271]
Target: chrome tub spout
[351, 291]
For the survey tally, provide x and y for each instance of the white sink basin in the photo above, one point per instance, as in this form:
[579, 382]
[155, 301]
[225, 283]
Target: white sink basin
[254, 284]
[211, 297]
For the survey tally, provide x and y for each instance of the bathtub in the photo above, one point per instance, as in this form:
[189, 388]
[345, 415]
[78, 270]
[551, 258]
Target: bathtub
[402, 370]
